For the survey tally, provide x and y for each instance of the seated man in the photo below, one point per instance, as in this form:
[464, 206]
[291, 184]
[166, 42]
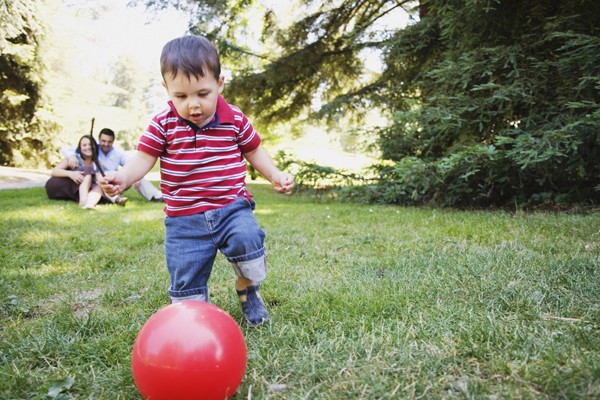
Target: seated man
[111, 158]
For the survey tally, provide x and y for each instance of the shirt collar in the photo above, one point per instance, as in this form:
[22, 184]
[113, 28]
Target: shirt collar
[224, 115]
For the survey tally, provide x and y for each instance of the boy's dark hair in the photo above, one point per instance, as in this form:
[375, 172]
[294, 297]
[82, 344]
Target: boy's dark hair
[107, 131]
[190, 55]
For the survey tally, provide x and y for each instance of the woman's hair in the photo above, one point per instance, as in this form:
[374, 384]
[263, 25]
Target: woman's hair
[190, 55]
[94, 146]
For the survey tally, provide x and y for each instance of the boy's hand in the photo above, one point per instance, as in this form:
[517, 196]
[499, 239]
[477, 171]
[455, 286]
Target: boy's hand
[283, 182]
[111, 184]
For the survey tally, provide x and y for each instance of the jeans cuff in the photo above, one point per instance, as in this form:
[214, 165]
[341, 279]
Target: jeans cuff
[200, 294]
[255, 270]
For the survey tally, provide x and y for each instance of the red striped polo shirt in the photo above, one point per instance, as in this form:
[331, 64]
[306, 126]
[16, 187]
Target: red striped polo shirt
[200, 170]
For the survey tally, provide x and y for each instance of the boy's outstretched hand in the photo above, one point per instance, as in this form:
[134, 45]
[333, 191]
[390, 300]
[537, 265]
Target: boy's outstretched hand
[111, 184]
[283, 182]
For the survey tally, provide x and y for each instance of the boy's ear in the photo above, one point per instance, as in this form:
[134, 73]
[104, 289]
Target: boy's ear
[164, 84]
[221, 83]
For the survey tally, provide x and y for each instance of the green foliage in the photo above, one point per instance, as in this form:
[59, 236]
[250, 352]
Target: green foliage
[316, 58]
[521, 77]
[525, 170]
[130, 92]
[312, 176]
[408, 182]
[26, 124]
[498, 101]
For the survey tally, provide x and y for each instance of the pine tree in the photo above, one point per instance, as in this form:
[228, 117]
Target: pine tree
[24, 124]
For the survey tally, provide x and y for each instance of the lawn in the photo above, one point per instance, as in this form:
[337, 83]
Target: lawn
[366, 302]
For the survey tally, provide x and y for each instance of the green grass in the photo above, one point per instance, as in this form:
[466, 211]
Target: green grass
[371, 302]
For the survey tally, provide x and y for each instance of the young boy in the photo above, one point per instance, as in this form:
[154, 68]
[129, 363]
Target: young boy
[203, 144]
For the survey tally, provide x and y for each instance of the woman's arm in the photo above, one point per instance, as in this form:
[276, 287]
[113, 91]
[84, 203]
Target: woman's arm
[62, 171]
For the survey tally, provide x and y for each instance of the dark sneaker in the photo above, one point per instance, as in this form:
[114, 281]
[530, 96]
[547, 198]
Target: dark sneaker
[120, 201]
[157, 200]
[253, 306]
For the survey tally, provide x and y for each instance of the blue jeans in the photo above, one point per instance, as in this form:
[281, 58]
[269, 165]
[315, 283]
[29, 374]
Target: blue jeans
[192, 242]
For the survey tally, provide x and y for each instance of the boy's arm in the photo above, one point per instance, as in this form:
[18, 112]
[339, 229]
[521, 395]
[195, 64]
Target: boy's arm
[135, 169]
[261, 161]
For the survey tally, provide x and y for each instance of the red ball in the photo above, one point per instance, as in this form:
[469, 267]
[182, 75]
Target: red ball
[189, 350]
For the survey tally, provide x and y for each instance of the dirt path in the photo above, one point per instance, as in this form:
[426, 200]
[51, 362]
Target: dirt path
[22, 178]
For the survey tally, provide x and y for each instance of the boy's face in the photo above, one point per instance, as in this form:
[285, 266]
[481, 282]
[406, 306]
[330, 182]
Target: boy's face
[194, 98]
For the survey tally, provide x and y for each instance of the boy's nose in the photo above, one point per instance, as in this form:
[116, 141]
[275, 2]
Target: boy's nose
[194, 103]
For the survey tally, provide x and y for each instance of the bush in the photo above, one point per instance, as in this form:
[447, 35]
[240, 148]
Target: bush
[528, 170]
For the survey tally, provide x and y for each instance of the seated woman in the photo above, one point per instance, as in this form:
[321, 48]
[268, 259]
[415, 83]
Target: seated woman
[77, 184]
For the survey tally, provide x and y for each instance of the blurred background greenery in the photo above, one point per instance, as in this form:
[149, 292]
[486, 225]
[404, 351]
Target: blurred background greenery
[485, 103]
